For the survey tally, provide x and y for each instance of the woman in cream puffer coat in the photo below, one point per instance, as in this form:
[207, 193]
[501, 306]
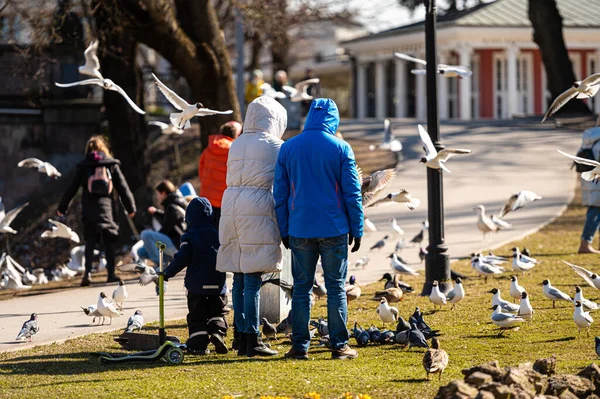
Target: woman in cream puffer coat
[248, 230]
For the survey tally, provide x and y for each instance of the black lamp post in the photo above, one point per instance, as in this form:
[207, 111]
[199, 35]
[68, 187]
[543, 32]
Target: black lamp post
[437, 265]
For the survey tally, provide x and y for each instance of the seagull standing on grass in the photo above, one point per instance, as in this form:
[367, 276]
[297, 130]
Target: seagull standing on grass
[485, 269]
[400, 267]
[505, 306]
[519, 264]
[188, 111]
[387, 314]
[434, 159]
[505, 320]
[587, 304]
[585, 88]
[554, 294]
[436, 296]
[41, 166]
[457, 294]
[525, 309]
[516, 291]
[582, 319]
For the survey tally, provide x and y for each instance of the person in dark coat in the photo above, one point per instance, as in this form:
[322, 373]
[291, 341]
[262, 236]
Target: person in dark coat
[171, 219]
[207, 292]
[103, 183]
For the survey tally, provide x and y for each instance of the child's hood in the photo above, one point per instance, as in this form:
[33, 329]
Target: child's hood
[199, 211]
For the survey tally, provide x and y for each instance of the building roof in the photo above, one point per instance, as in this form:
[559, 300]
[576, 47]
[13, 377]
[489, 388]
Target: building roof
[502, 13]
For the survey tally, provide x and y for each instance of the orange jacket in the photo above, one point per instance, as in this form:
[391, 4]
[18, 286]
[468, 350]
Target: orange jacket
[212, 168]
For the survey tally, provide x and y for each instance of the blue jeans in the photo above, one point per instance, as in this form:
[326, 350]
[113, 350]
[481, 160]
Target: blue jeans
[592, 223]
[334, 257]
[245, 294]
[149, 250]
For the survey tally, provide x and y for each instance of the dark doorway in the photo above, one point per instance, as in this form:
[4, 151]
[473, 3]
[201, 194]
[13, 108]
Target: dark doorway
[411, 91]
[370, 72]
[390, 87]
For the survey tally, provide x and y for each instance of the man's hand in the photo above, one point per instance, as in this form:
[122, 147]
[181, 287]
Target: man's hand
[356, 240]
[151, 210]
[286, 242]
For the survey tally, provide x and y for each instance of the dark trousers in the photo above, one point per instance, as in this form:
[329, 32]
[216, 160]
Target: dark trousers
[206, 317]
[216, 216]
[92, 237]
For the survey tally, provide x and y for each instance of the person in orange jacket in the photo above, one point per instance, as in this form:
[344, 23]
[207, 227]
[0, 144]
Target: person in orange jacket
[212, 168]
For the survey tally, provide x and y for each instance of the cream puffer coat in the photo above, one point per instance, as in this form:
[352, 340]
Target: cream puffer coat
[248, 230]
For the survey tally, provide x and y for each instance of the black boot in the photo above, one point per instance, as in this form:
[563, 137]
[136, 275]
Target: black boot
[241, 343]
[217, 341]
[255, 346]
[86, 280]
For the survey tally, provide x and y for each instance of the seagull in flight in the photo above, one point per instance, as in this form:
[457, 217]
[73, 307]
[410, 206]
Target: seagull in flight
[449, 71]
[299, 91]
[60, 230]
[166, 129]
[401, 197]
[92, 64]
[8, 219]
[591, 175]
[585, 88]
[106, 84]
[434, 159]
[518, 201]
[389, 142]
[41, 166]
[148, 275]
[269, 91]
[188, 111]
[372, 184]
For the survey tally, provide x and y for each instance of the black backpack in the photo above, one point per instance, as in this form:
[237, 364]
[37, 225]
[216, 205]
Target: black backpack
[586, 153]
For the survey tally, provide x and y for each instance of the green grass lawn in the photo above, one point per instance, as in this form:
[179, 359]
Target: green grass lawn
[381, 371]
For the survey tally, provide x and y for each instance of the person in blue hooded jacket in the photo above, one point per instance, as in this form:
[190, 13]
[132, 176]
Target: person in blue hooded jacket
[319, 212]
[207, 292]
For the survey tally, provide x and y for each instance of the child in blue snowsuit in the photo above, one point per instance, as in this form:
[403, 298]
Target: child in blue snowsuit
[206, 297]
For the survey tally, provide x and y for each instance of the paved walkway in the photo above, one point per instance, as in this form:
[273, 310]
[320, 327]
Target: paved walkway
[507, 157]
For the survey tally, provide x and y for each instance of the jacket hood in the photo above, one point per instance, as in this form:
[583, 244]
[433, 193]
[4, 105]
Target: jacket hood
[198, 212]
[266, 115]
[219, 144]
[174, 198]
[323, 115]
[98, 157]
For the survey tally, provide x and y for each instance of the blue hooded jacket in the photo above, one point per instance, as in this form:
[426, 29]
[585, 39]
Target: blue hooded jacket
[198, 251]
[316, 190]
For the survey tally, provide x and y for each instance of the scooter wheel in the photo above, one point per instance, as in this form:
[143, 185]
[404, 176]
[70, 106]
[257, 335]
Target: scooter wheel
[174, 356]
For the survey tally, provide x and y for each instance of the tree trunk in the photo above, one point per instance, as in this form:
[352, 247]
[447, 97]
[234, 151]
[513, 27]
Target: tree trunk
[127, 129]
[256, 42]
[280, 45]
[547, 34]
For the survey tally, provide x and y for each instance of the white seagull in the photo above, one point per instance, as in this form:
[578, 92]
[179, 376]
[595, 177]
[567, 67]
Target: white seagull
[487, 224]
[585, 88]
[41, 166]
[591, 278]
[370, 225]
[167, 129]
[457, 294]
[400, 267]
[516, 290]
[389, 142]
[554, 294]
[582, 319]
[92, 311]
[395, 227]
[434, 159]
[505, 320]
[504, 304]
[299, 91]
[485, 269]
[401, 197]
[375, 182]
[525, 309]
[120, 294]
[587, 304]
[269, 91]
[106, 308]
[520, 264]
[449, 71]
[591, 175]
[60, 230]
[188, 111]
[387, 314]
[106, 84]
[92, 64]
[523, 257]
[436, 296]
[518, 201]
[8, 218]
[148, 273]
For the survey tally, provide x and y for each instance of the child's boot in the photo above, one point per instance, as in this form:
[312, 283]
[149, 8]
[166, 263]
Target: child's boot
[217, 341]
[241, 343]
[255, 347]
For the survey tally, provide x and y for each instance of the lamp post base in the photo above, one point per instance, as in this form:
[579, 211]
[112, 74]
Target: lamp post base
[437, 267]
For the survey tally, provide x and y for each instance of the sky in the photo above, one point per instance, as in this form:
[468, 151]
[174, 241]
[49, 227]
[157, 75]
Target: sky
[378, 15]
